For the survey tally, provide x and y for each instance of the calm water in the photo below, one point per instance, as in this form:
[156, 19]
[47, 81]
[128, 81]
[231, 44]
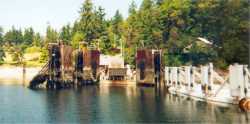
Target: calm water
[109, 104]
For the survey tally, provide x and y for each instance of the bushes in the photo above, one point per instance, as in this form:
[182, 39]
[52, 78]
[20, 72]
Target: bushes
[33, 49]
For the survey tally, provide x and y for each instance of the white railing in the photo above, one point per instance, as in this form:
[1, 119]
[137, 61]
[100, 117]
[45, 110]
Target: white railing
[205, 77]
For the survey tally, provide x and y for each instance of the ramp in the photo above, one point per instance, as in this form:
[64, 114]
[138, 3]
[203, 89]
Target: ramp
[41, 77]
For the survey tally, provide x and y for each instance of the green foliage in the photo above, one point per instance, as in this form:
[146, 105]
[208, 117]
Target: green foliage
[77, 38]
[129, 55]
[17, 54]
[51, 35]
[1, 36]
[116, 24]
[28, 36]
[13, 36]
[171, 25]
[66, 34]
[105, 44]
[173, 60]
[32, 49]
[37, 40]
[91, 23]
[44, 55]
[2, 55]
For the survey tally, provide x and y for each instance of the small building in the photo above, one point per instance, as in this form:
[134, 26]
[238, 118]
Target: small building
[114, 66]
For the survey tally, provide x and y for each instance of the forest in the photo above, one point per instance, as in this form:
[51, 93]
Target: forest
[170, 25]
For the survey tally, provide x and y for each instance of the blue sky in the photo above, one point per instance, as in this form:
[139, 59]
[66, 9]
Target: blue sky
[39, 13]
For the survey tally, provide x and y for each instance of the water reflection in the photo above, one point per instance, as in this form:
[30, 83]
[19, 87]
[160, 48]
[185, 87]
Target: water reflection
[111, 104]
[106, 104]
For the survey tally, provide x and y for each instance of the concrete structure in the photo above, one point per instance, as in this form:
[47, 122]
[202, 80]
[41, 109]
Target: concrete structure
[206, 84]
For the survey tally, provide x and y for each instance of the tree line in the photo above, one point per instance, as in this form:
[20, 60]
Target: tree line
[171, 25]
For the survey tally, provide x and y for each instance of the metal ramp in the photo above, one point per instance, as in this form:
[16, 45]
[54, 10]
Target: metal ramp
[41, 77]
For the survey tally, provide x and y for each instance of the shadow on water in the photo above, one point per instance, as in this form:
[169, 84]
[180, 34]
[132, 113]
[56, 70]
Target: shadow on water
[113, 104]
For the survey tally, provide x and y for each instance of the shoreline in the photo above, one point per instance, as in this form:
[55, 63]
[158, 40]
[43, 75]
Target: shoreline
[13, 75]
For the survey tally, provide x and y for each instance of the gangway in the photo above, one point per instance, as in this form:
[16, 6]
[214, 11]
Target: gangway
[206, 84]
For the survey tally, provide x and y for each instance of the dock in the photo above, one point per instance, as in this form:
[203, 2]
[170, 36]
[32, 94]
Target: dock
[62, 71]
[206, 84]
[89, 68]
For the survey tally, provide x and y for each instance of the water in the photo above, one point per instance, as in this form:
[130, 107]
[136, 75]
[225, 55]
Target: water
[109, 104]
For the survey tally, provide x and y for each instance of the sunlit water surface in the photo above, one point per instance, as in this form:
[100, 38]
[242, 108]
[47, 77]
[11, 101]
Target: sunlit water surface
[109, 104]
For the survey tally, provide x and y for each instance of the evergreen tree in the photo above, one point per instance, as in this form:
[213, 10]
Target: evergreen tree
[51, 35]
[13, 37]
[1, 36]
[117, 28]
[2, 53]
[149, 30]
[77, 38]
[87, 21]
[37, 40]
[91, 23]
[66, 34]
[28, 36]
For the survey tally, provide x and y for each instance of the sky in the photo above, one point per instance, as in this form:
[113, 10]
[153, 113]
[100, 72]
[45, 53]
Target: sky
[40, 13]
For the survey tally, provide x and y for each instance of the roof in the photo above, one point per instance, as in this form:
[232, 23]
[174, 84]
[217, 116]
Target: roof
[116, 61]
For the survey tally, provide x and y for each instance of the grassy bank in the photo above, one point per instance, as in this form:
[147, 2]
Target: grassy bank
[31, 57]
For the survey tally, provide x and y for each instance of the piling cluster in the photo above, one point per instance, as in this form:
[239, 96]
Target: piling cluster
[149, 67]
[67, 68]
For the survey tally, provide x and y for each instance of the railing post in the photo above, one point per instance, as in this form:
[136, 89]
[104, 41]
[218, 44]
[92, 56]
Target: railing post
[188, 76]
[211, 77]
[204, 78]
[170, 71]
[178, 76]
[246, 80]
[192, 76]
[174, 75]
[166, 75]
[236, 80]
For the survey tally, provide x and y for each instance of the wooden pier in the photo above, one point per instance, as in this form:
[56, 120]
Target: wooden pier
[62, 71]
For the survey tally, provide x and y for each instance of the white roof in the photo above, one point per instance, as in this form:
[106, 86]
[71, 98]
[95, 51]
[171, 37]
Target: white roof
[204, 40]
[116, 61]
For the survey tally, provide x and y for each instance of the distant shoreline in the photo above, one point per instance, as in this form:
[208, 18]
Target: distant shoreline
[28, 65]
[13, 75]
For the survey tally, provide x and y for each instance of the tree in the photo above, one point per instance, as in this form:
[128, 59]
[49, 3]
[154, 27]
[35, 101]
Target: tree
[44, 55]
[130, 31]
[28, 36]
[2, 53]
[116, 23]
[77, 38]
[66, 34]
[92, 23]
[1, 36]
[87, 21]
[234, 31]
[51, 35]
[17, 54]
[37, 40]
[116, 28]
[132, 8]
[13, 37]
[149, 30]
